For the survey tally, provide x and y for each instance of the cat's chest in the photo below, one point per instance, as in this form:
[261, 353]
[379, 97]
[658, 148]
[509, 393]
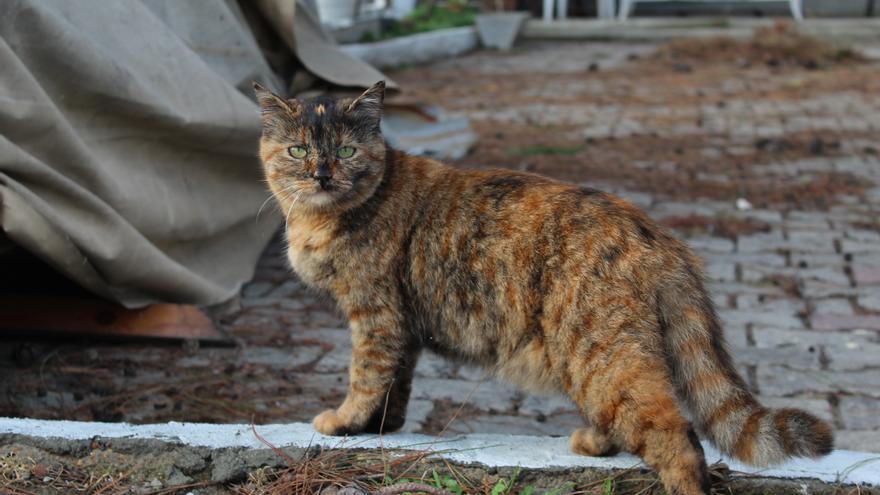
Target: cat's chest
[312, 245]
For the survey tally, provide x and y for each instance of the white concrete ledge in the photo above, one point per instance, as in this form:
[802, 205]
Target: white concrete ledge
[665, 28]
[490, 450]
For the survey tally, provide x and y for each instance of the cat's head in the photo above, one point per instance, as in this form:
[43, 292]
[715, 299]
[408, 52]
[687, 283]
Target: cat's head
[322, 153]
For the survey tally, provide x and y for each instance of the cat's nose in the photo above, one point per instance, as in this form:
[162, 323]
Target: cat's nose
[322, 175]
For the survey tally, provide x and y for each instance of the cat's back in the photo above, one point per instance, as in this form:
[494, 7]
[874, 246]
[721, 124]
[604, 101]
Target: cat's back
[497, 211]
[500, 254]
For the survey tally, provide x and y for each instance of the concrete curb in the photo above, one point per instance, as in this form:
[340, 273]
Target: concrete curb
[662, 29]
[490, 450]
[417, 48]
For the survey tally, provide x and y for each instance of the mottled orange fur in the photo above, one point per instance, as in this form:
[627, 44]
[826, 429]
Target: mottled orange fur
[550, 286]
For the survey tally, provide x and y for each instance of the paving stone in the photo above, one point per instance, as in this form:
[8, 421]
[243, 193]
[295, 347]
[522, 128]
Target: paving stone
[807, 349]
[784, 318]
[722, 301]
[670, 210]
[833, 305]
[873, 193]
[431, 365]
[710, 244]
[793, 357]
[807, 219]
[721, 271]
[819, 407]
[776, 304]
[862, 235]
[282, 358]
[871, 303]
[762, 291]
[546, 404]
[813, 260]
[762, 242]
[763, 273]
[850, 246]
[768, 216]
[817, 289]
[811, 241]
[736, 338]
[417, 411]
[824, 274]
[334, 362]
[833, 322]
[866, 274]
[860, 441]
[770, 337]
[293, 287]
[778, 380]
[860, 413]
[256, 289]
[471, 373]
[769, 260]
[488, 395]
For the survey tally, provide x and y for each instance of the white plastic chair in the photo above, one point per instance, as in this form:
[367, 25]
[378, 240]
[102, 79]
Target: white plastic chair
[627, 6]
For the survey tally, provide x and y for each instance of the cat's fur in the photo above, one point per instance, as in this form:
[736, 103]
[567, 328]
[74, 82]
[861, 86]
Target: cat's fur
[548, 285]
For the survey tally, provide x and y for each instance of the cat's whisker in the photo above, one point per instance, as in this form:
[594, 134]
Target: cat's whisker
[271, 196]
[290, 209]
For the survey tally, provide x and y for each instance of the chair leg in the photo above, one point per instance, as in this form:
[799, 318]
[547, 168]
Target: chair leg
[796, 9]
[548, 10]
[626, 7]
[605, 9]
[561, 9]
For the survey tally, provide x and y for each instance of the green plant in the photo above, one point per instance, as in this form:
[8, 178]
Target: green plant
[429, 16]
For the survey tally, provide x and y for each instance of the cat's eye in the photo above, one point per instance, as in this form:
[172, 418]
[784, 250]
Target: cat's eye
[345, 152]
[298, 151]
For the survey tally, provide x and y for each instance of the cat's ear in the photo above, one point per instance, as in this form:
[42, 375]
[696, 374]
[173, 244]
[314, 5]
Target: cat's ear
[273, 106]
[369, 104]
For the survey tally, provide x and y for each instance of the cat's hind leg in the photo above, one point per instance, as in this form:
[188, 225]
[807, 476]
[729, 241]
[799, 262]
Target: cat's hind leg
[636, 405]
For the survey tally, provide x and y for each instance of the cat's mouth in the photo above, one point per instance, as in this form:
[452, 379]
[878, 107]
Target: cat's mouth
[323, 193]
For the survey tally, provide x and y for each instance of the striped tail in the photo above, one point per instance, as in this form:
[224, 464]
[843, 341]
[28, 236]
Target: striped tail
[723, 409]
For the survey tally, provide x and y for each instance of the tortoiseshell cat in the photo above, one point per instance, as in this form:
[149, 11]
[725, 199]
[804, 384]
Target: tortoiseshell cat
[548, 285]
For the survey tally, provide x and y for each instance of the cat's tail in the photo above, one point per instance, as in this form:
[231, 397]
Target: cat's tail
[723, 408]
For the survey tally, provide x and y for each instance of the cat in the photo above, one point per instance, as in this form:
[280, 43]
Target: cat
[551, 286]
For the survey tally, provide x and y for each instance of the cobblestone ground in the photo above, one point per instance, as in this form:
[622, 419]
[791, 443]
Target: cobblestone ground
[796, 278]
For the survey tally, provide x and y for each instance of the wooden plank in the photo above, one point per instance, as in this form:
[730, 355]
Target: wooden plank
[89, 316]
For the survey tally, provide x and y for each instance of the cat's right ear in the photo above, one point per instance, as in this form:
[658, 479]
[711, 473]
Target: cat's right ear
[273, 106]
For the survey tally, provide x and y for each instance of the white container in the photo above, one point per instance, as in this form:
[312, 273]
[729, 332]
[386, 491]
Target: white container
[337, 13]
[402, 8]
[500, 29]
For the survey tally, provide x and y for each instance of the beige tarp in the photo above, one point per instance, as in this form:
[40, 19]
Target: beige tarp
[128, 144]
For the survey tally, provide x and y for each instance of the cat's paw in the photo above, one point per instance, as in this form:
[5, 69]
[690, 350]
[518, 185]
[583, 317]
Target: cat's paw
[329, 423]
[587, 441]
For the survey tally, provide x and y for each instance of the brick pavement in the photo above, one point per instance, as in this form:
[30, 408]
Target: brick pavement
[799, 297]
[810, 341]
[800, 300]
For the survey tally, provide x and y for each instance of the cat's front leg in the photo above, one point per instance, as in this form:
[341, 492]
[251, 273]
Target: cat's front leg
[382, 363]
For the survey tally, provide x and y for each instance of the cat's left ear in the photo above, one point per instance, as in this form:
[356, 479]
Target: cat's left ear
[369, 104]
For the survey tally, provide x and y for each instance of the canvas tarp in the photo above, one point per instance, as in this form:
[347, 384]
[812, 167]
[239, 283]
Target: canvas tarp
[128, 143]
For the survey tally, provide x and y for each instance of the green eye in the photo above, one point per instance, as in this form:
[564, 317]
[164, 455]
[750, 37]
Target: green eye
[298, 151]
[345, 152]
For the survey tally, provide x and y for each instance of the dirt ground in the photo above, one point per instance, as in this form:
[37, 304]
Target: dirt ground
[141, 467]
